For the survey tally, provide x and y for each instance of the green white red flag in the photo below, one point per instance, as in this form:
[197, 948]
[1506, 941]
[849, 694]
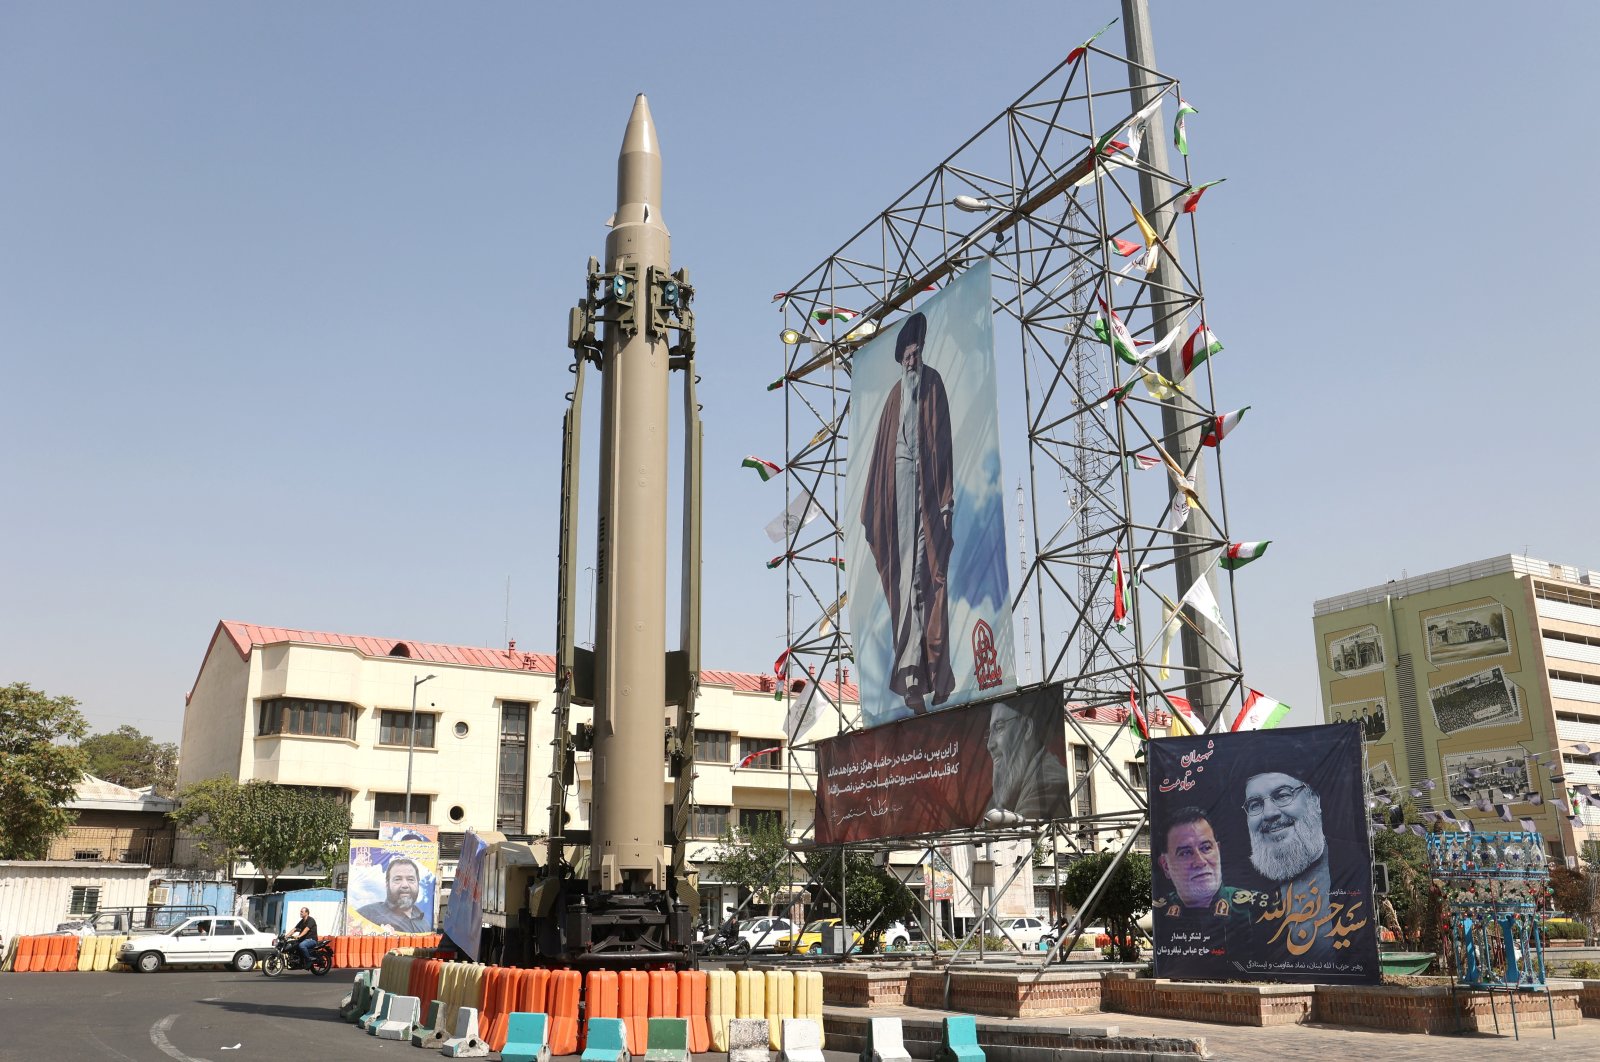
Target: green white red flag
[765, 469]
[1260, 712]
[1077, 53]
[1119, 597]
[1179, 140]
[1201, 344]
[833, 313]
[1189, 199]
[1125, 247]
[1143, 462]
[779, 559]
[1183, 715]
[1116, 334]
[1238, 554]
[1221, 425]
[754, 756]
[1136, 718]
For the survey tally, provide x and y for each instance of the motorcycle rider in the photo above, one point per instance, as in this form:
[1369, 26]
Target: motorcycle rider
[305, 935]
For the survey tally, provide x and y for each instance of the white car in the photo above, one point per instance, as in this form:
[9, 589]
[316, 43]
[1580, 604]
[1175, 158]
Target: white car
[197, 942]
[895, 937]
[760, 934]
[1028, 932]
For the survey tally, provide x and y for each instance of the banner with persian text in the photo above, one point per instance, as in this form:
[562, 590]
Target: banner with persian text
[996, 762]
[1263, 866]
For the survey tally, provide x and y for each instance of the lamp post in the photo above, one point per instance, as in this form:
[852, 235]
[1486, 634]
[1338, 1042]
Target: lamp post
[411, 739]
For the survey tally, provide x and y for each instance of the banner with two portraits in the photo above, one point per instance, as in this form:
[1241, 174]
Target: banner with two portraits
[1263, 866]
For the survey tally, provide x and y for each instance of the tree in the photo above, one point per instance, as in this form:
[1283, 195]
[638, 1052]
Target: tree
[1411, 891]
[273, 826]
[1125, 898]
[757, 859]
[37, 773]
[862, 886]
[132, 758]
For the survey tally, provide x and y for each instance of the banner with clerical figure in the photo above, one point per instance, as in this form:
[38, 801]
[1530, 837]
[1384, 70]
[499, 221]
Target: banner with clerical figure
[923, 514]
[1263, 866]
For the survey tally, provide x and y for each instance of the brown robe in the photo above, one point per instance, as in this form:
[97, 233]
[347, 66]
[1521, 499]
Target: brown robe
[936, 492]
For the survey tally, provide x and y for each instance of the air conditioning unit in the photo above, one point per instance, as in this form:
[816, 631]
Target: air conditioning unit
[160, 895]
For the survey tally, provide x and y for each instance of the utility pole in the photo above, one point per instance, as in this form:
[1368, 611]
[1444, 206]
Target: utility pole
[1178, 426]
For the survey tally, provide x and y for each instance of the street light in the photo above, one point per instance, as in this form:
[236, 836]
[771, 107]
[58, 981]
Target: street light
[411, 739]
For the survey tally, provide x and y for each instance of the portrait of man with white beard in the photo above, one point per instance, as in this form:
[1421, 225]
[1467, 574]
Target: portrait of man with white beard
[1028, 779]
[1289, 848]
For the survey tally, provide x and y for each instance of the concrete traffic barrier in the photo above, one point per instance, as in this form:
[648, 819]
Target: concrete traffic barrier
[958, 1041]
[358, 1001]
[402, 1016]
[668, 1038]
[802, 1040]
[885, 1041]
[606, 1040]
[466, 1043]
[380, 1011]
[422, 1032]
[525, 1037]
[748, 1040]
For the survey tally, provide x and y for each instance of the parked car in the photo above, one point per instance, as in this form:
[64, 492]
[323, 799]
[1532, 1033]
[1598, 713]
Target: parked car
[761, 934]
[1030, 934]
[809, 939]
[197, 942]
[120, 921]
[895, 937]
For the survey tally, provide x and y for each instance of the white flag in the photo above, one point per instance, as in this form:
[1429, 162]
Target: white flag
[1180, 512]
[831, 613]
[801, 511]
[802, 714]
[1204, 602]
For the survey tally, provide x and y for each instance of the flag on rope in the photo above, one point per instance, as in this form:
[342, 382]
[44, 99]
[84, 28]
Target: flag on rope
[1155, 350]
[1152, 242]
[779, 559]
[1201, 598]
[776, 384]
[1077, 53]
[1418, 830]
[1169, 631]
[1179, 139]
[1238, 554]
[837, 562]
[800, 512]
[1119, 599]
[1183, 715]
[1189, 198]
[1125, 247]
[1136, 720]
[1143, 462]
[1505, 812]
[1140, 116]
[833, 313]
[1528, 825]
[1119, 394]
[1178, 514]
[1221, 425]
[1260, 712]
[765, 469]
[754, 756]
[831, 613]
[1116, 334]
[1201, 344]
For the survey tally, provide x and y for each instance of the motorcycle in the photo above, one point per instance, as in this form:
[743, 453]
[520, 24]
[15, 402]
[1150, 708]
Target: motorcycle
[722, 942]
[286, 956]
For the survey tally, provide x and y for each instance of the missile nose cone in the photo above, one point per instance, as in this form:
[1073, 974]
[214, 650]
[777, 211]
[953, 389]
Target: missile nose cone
[639, 168]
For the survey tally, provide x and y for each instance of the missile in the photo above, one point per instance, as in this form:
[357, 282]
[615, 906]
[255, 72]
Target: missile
[631, 567]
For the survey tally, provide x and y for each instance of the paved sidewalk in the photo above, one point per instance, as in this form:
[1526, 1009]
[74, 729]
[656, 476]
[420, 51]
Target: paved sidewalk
[1296, 1043]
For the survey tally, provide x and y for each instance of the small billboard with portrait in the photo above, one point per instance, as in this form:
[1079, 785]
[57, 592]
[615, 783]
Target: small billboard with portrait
[393, 888]
[1263, 866]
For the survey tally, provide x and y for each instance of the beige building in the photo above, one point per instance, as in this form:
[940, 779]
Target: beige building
[333, 712]
[1459, 676]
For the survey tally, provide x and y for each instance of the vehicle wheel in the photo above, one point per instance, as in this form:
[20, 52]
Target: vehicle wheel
[1046, 943]
[245, 961]
[320, 966]
[816, 949]
[149, 962]
[272, 965]
[741, 948]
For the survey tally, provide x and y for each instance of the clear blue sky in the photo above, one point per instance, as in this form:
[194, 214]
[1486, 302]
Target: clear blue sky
[284, 288]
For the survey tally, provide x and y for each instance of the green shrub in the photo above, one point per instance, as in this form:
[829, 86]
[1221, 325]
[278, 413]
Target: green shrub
[1584, 969]
[1563, 929]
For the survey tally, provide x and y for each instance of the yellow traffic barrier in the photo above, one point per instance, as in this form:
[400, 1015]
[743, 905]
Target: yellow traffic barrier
[808, 998]
[779, 1004]
[720, 1009]
[749, 994]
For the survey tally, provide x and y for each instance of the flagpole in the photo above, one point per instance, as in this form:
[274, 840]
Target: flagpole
[1205, 694]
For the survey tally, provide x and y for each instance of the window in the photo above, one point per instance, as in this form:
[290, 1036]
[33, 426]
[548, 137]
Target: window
[510, 811]
[343, 796]
[391, 807]
[85, 900]
[303, 718]
[771, 761]
[711, 746]
[86, 855]
[1139, 775]
[394, 728]
[1080, 778]
[709, 820]
[753, 819]
[227, 927]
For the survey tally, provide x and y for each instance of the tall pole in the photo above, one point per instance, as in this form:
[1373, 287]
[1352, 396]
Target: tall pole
[1177, 424]
[411, 740]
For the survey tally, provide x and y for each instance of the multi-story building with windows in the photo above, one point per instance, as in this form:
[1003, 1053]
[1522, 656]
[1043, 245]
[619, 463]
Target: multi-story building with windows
[333, 712]
[1460, 677]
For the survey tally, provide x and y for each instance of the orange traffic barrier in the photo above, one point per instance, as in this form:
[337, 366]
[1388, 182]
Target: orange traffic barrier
[531, 997]
[563, 989]
[66, 954]
[633, 1007]
[340, 948]
[599, 1000]
[663, 994]
[24, 962]
[489, 1006]
[370, 955]
[692, 1005]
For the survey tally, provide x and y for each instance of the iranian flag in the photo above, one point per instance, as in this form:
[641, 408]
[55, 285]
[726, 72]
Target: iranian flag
[1143, 461]
[1119, 599]
[1238, 554]
[1189, 198]
[1116, 333]
[1077, 53]
[780, 668]
[833, 313]
[1120, 394]
[1183, 715]
[754, 756]
[1125, 247]
[1201, 344]
[1222, 424]
[1136, 718]
[1260, 712]
[1179, 140]
[765, 469]
[779, 559]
